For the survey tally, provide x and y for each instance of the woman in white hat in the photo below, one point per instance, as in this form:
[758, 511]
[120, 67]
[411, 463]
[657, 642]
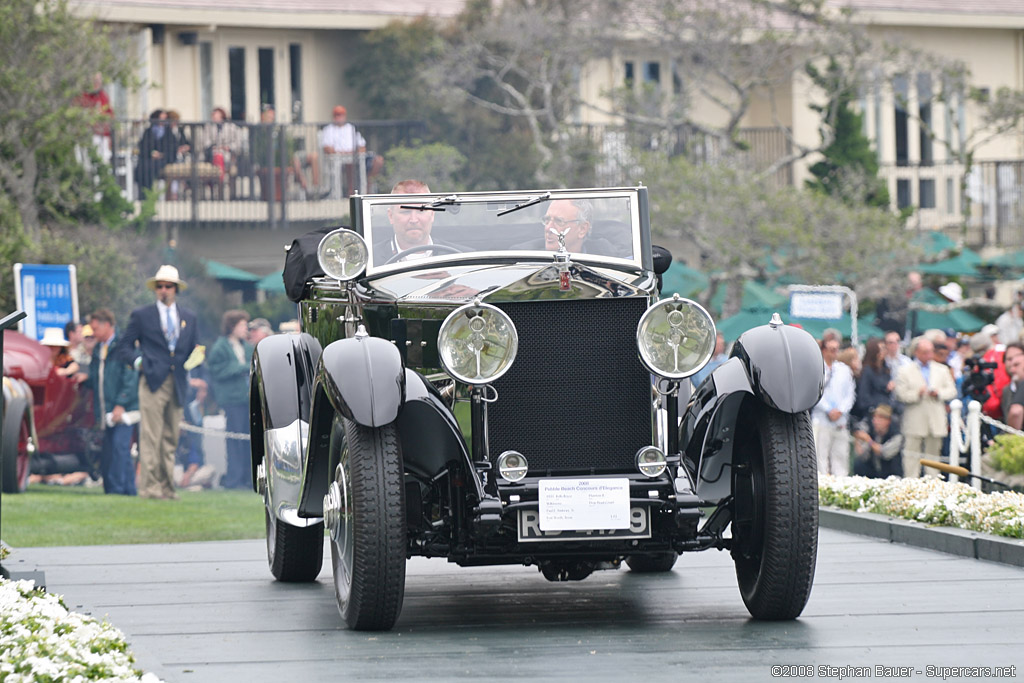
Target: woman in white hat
[64, 364]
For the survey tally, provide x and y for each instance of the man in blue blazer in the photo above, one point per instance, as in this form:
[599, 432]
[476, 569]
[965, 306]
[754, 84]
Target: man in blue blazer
[164, 333]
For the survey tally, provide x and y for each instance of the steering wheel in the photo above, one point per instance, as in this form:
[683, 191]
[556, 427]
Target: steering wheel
[443, 248]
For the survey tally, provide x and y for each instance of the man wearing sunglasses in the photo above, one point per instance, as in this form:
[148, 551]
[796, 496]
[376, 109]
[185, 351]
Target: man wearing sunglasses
[163, 334]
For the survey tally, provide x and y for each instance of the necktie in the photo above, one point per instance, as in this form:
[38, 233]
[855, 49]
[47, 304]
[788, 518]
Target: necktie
[172, 332]
[101, 400]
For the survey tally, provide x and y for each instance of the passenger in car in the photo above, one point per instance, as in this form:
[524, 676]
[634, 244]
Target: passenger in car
[571, 218]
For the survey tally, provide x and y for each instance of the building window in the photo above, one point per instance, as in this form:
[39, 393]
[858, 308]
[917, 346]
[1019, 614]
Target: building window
[926, 193]
[205, 78]
[236, 78]
[901, 93]
[902, 193]
[652, 72]
[950, 197]
[629, 75]
[266, 66]
[295, 67]
[677, 79]
[924, 112]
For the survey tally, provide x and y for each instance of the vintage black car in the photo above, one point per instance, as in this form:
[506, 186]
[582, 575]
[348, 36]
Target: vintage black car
[507, 391]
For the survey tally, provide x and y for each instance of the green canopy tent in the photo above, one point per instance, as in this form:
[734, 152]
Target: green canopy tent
[934, 242]
[964, 264]
[222, 271]
[682, 280]
[272, 283]
[957, 319]
[755, 295]
[1011, 261]
[733, 326]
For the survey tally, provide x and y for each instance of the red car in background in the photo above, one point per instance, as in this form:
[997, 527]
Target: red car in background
[48, 419]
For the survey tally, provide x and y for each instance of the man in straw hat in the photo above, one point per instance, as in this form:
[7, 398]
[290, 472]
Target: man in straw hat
[164, 334]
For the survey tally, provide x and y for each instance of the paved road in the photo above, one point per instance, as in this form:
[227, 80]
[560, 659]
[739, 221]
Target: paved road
[210, 612]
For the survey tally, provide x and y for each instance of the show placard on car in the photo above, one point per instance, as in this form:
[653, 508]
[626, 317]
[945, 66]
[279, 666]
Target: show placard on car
[567, 504]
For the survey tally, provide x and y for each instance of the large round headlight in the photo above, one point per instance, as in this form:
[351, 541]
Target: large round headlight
[477, 343]
[676, 337]
[342, 254]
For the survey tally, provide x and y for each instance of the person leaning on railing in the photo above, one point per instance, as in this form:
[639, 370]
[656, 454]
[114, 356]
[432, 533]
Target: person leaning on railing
[224, 144]
[267, 147]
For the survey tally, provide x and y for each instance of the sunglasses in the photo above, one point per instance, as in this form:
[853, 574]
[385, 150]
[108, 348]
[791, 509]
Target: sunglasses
[165, 285]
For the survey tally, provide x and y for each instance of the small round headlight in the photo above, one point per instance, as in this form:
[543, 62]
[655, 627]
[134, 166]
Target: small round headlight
[676, 337]
[477, 343]
[512, 466]
[342, 254]
[650, 461]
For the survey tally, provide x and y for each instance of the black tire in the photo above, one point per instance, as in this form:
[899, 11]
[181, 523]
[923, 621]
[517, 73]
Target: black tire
[368, 552]
[295, 553]
[652, 564]
[16, 463]
[775, 515]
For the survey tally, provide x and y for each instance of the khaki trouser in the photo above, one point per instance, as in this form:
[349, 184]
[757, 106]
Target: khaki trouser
[916, 445]
[158, 438]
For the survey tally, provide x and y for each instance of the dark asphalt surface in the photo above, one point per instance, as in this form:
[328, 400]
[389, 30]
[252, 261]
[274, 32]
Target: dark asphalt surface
[211, 612]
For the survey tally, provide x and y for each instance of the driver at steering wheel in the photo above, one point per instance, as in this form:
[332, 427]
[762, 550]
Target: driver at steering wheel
[412, 228]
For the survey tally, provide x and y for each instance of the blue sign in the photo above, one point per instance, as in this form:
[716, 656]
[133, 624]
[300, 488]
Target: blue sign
[48, 294]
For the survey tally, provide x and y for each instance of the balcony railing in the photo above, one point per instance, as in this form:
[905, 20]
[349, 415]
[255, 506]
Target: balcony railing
[939, 193]
[246, 174]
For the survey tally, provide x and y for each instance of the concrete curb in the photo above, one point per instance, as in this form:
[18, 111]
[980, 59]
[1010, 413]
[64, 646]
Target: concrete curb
[944, 539]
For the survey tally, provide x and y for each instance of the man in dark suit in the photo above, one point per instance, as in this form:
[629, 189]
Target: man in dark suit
[412, 227]
[165, 335]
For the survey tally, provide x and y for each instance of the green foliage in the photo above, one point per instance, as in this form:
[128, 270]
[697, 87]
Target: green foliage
[109, 272]
[849, 169]
[50, 57]
[1007, 453]
[277, 308]
[747, 227]
[388, 75]
[441, 163]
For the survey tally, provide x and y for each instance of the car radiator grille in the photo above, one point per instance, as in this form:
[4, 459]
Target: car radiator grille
[577, 398]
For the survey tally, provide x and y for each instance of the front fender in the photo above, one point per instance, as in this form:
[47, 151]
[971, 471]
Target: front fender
[360, 378]
[784, 364]
[363, 378]
[280, 397]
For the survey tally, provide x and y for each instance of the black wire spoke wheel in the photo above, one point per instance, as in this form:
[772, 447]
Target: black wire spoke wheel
[775, 515]
[365, 513]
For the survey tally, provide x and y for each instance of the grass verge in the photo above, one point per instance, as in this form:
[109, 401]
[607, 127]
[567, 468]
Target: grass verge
[55, 516]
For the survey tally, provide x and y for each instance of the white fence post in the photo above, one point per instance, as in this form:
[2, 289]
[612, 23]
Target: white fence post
[956, 428]
[974, 430]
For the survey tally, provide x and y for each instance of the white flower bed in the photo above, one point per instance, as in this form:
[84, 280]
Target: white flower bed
[40, 640]
[928, 500]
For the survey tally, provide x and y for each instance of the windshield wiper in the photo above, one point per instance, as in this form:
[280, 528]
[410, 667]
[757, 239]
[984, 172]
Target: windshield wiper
[530, 202]
[450, 200]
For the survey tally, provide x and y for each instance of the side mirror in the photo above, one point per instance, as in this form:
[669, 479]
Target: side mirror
[662, 259]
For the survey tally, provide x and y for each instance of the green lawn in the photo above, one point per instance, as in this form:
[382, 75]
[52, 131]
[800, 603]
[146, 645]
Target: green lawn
[54, 515]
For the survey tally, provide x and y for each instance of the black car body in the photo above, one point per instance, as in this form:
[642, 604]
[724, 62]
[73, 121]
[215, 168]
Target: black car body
[488, 401]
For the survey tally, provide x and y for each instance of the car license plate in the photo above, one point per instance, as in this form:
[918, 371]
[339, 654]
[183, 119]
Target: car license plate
[530, 531]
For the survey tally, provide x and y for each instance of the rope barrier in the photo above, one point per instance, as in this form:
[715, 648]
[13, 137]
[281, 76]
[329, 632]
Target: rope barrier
[209, 431]
[999, 425]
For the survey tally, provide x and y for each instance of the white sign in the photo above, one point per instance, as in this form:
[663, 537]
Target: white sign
[571, 504]
[821, 305]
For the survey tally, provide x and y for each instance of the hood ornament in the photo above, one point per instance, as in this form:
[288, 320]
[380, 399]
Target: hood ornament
[562, 261]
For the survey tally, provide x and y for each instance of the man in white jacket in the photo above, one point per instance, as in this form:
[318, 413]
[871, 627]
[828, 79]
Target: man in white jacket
[923, 387]
[830, 417]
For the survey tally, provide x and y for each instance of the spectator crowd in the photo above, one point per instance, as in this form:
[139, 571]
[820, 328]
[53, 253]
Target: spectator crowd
[886, 408]
[148, 378]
